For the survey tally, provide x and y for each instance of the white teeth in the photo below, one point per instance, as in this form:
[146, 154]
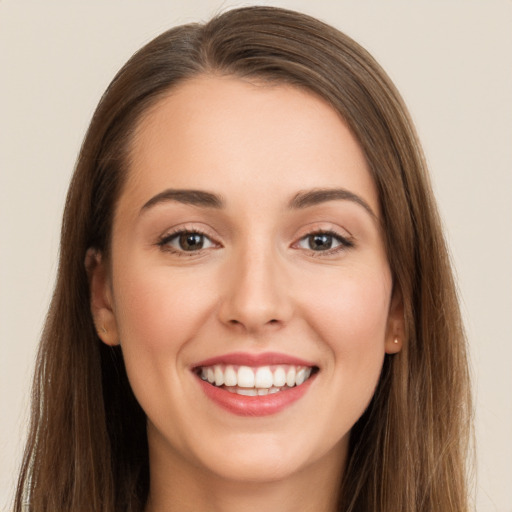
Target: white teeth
[247, 392]
[252, 391]
[263, 378]
[279, 377]
[230, 376]
[300, 377]
[245, 377]
[290, 377]
[219, 376]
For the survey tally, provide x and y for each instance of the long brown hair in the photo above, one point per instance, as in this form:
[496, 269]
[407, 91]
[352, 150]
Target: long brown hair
[87, 448]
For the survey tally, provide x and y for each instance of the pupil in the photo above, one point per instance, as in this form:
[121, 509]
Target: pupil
[320, 242]
[191, 241]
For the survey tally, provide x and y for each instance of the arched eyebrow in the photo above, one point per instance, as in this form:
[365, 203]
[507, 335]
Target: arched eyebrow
[193, 197]
[301, 200]
[317, 196]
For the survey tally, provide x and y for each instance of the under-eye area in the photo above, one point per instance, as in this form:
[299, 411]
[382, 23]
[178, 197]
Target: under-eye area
[255, 381]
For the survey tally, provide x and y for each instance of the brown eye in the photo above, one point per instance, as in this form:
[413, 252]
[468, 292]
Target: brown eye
[324, 242]
[320, 242]
[191, 241]
[186, 241]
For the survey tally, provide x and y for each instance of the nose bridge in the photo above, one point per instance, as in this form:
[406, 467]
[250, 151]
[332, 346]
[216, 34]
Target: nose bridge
[255, 294]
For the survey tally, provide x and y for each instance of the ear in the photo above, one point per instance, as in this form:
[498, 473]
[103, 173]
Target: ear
[101, 297]
[395, 331]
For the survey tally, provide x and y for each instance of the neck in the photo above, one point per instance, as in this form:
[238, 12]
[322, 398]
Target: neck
[177, 487]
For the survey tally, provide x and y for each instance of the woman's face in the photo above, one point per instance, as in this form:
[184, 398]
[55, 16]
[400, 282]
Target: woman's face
[246, 250]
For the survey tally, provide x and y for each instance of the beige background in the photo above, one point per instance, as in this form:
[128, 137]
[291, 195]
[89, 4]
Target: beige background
[452, 60]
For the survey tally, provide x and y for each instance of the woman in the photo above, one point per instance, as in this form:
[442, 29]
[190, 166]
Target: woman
[254, 305]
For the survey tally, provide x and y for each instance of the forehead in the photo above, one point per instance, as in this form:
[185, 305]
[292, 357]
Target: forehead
[212, 131]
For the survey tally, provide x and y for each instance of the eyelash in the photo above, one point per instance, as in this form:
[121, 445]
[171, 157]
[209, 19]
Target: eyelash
[164, 241]
[344, 243]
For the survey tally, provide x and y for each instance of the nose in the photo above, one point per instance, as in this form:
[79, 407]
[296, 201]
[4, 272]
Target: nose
[256, 293]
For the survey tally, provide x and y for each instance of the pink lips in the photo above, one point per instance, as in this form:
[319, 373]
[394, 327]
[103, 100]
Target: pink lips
[264, 359]
[254, 405]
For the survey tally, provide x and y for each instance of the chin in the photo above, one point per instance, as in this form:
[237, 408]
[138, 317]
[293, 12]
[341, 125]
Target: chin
[264, 468]
[267, 460]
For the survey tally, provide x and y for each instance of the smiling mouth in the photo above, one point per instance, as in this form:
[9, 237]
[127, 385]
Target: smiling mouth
[255, 381]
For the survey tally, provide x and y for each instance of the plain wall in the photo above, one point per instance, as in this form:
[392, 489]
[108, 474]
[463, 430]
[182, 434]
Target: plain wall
[452, 61]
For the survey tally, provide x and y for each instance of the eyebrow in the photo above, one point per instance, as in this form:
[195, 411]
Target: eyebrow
[193, 197]
[301, 200]
[322, 195]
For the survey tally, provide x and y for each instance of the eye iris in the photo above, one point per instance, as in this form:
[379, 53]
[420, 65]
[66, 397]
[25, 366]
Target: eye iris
[320, 242]
[191, 241]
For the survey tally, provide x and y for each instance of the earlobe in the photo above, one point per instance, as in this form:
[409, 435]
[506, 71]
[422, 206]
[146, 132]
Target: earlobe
[394, 345]
[101, 297]
[396, 325]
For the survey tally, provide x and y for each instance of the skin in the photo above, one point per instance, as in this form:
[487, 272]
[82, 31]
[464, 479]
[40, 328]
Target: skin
[256, 286]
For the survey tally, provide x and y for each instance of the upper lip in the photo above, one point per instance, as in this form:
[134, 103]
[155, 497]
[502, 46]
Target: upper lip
[248, 359]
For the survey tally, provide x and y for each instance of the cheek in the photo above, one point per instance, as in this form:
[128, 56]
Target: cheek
[353, 306]
[159, 309]
[347, 313]
[157, 315]
[351, 318]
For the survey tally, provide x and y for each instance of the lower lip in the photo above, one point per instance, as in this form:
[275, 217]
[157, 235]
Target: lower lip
[262, 405]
